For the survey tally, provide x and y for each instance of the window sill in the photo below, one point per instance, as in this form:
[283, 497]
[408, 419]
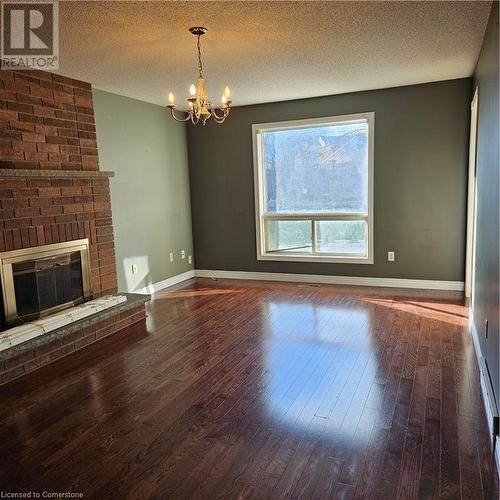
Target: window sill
[315, 258]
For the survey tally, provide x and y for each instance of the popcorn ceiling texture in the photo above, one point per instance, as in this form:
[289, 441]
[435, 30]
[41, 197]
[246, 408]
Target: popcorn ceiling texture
[268, 51]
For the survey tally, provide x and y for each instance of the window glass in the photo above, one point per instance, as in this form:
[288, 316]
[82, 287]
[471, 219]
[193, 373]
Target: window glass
[317, 169]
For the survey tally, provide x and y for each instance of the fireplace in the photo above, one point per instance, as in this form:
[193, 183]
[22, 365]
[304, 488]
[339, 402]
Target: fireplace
[56, 233]
[42, 280]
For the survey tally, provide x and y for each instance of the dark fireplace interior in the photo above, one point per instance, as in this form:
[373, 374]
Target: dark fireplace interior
[44, 286]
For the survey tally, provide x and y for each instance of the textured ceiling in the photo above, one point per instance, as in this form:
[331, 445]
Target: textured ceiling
[268, 51]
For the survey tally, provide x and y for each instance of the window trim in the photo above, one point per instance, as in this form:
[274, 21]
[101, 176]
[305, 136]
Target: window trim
[259, 193]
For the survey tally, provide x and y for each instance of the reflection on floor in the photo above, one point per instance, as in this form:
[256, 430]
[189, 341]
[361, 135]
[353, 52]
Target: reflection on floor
[260, 390]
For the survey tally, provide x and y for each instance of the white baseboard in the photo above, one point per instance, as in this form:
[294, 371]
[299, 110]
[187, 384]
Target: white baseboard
[475, 339]
[333, 280]
[497, 455]
[485, 389]
[160, 285]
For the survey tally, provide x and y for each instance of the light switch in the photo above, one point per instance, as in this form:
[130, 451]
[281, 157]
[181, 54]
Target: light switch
[390, 256]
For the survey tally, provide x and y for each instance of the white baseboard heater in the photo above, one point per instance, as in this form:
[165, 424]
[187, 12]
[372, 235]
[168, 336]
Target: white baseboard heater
[489, 401]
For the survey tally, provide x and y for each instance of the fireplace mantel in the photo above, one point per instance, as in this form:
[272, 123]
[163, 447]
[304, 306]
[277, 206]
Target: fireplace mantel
[62, 174]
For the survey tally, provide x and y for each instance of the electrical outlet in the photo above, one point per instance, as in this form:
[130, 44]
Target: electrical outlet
[183, 254]
[171, 256]
[486, 328]
[190, 259]
[135, 268]
[390, 256]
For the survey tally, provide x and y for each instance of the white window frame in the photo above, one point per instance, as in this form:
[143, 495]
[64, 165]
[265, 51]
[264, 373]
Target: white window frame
[259, 189]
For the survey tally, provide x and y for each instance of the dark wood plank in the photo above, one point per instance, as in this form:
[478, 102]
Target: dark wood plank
[450, 461]
[470, 476]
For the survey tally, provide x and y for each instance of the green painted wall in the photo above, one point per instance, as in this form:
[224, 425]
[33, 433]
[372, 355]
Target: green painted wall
[421, 148]
[486, 274]
[150, 191]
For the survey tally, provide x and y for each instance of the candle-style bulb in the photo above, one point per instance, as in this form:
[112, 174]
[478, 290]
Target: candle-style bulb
[192, 90]
[227, 92]
[171, 100]
[224, 101]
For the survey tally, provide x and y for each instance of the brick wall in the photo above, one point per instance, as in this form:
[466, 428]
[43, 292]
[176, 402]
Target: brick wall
[46, 122]
[51, 210]
[128, 321]
[46, 125]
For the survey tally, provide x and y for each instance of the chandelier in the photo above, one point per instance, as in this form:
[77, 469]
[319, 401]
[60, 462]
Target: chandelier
[199, 106]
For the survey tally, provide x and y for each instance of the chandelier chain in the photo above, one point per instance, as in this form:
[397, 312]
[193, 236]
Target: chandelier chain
[200, 64]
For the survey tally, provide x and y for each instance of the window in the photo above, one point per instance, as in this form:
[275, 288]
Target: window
[314, 189]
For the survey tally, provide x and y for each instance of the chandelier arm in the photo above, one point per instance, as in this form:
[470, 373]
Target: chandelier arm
[194, 118]
[220, 120]
[216, 116]
[179, 119]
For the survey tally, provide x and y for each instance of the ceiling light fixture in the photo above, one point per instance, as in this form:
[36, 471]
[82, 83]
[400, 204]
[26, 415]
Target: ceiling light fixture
[199, 107]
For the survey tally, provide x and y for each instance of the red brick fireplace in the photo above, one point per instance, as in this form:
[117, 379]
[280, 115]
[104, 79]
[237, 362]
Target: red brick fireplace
[51, 188]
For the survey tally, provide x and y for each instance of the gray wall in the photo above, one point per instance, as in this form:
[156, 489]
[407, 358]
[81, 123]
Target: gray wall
[486, 292]
[150, 192]
[421, 143]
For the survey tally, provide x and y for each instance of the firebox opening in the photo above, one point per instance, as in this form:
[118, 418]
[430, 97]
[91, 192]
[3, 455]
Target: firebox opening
[47, 285]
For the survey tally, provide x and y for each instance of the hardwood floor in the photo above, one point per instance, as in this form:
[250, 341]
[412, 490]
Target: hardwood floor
[260, 390]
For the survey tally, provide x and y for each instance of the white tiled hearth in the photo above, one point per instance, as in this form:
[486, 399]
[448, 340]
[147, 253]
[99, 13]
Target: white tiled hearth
[28, 331]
